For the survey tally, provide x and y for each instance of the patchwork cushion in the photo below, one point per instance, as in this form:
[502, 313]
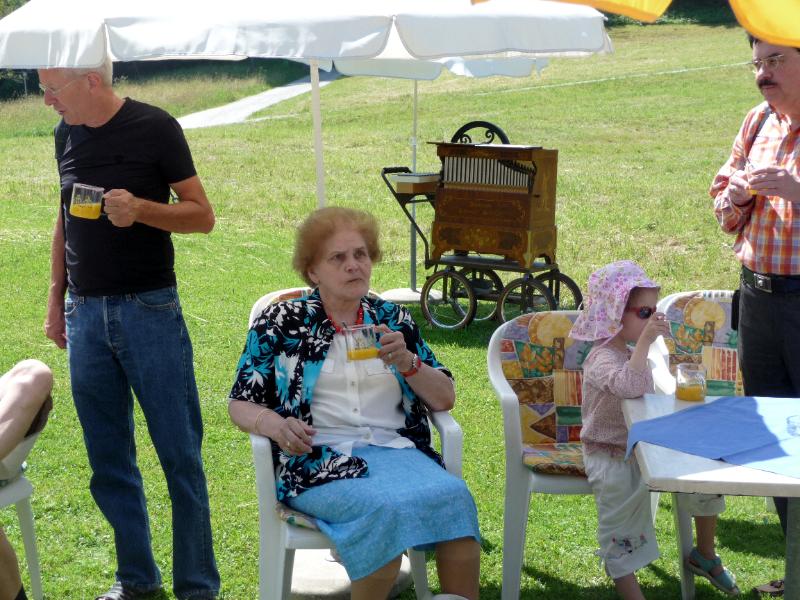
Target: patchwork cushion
[554, 459]
[295, 517]
[700, 323]
[543, 366]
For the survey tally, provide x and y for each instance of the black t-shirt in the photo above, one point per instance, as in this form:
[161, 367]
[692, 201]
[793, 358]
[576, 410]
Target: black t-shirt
[142, 149]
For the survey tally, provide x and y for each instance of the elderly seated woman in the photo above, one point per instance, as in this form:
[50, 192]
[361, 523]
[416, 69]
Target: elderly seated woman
[350, 438]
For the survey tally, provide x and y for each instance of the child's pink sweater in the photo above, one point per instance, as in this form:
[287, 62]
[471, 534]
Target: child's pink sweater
[608, 378]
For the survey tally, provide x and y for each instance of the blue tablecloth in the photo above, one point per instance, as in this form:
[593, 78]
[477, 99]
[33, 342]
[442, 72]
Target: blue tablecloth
[753, 432]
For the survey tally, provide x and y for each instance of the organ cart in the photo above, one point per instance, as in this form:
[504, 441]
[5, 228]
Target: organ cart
[494, 211]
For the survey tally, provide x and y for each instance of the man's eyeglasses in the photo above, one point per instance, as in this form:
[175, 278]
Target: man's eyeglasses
[56, 91]
[643, 312]
[770, 62]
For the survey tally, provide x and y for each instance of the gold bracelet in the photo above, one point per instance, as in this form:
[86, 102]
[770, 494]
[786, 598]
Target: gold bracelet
[258, 420]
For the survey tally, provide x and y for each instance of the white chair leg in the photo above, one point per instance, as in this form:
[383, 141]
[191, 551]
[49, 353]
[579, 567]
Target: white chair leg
[419, 573]
[288, 568]
[654, 497]
[515, 523]
[25, 515]
[271, 569]
[683, 527]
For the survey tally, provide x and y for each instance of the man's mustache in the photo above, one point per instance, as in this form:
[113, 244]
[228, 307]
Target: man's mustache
[763, 82]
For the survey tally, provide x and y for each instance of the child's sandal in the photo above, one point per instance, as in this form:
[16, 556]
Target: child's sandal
[773, 588]
[700, 565]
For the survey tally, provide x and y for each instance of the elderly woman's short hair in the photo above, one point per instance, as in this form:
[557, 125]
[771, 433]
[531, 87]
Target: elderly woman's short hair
[321, 225]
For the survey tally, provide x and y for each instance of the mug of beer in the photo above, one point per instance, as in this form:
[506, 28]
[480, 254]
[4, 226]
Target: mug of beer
[87, 201]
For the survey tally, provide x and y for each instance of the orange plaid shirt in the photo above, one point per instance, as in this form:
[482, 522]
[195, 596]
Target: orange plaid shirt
[768, 229]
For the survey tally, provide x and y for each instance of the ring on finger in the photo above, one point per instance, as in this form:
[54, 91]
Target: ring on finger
[390, 356]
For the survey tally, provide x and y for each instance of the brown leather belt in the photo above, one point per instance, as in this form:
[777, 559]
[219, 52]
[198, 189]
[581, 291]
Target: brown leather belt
[778, 284]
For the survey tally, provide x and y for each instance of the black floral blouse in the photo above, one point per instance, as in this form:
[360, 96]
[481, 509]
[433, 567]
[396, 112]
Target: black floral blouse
[279, 368]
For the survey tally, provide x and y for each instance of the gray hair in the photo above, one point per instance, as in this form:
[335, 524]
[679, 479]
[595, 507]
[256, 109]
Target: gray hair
[105, 70]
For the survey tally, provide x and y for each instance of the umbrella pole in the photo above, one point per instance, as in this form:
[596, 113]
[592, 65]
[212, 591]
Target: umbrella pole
[316, 117]
[413, 234]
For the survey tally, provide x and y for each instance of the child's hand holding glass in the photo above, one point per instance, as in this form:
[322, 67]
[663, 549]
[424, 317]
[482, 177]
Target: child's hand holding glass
[656, 325]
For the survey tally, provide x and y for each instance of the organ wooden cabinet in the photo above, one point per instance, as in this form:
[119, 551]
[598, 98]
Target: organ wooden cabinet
[496, 199]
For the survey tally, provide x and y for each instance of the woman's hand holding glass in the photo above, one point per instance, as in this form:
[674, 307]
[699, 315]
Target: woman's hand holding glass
[393, 351]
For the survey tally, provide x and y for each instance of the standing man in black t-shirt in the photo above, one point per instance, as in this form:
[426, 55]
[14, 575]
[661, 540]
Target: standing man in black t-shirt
[121, 319]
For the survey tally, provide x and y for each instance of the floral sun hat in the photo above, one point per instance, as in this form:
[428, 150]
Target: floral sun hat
[609, 289]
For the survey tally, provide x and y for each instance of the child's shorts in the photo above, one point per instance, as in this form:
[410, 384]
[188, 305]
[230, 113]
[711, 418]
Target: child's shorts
[625, 529]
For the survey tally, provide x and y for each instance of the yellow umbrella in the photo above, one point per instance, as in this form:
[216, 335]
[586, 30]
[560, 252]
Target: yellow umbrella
[642, 10]
[774, 21]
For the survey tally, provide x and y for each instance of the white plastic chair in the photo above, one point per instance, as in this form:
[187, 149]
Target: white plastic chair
[278, 539]
[522, 481]
[17, 490]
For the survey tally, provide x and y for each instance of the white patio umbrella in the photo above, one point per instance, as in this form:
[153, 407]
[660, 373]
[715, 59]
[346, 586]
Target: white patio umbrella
[54, 33]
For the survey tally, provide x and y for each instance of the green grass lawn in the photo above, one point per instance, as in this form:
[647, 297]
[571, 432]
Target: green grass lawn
[640, 134]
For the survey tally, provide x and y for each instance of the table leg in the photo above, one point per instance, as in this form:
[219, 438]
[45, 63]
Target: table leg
[792, 577]
[683, 527]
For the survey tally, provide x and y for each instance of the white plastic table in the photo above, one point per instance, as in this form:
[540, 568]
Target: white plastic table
[668, 470]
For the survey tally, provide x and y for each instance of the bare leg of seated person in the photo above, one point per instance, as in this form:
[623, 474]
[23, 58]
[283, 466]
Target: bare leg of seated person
[10, 583]
[377, 584]
[458, 563]
[628, 587]
[24, 402]
[24, 405]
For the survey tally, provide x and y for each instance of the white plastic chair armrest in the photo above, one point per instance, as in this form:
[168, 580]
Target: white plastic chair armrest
[658, 360]
[452, 438]
[265, 475]
[11, 465]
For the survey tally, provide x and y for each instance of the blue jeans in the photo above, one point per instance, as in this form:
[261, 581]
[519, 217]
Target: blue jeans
[138, 343]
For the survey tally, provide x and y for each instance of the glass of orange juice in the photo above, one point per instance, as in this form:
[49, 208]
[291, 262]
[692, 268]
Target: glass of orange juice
[691, 380]
[87, 201]
[361, 342]
[749, 167]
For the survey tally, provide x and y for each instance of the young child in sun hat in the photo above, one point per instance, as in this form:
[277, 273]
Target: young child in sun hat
[620, 311]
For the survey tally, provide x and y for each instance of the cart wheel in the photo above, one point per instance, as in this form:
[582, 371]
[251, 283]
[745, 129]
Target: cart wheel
[448, 300]
[487, 286]
[524, 295]
[564, 290]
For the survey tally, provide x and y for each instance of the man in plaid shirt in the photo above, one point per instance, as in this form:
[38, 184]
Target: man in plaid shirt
[757, 198]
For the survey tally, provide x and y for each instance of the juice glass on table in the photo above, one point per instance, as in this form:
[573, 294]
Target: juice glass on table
[362, 343]
[691, 382]
[87, 201]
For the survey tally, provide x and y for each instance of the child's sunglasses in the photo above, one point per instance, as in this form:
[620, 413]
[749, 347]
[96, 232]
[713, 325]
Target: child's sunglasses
[643, 312]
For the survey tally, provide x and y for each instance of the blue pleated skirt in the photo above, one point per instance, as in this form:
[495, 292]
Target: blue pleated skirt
[405, 501]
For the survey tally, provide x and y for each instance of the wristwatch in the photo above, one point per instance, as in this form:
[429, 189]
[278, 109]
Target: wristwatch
[416, 363]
